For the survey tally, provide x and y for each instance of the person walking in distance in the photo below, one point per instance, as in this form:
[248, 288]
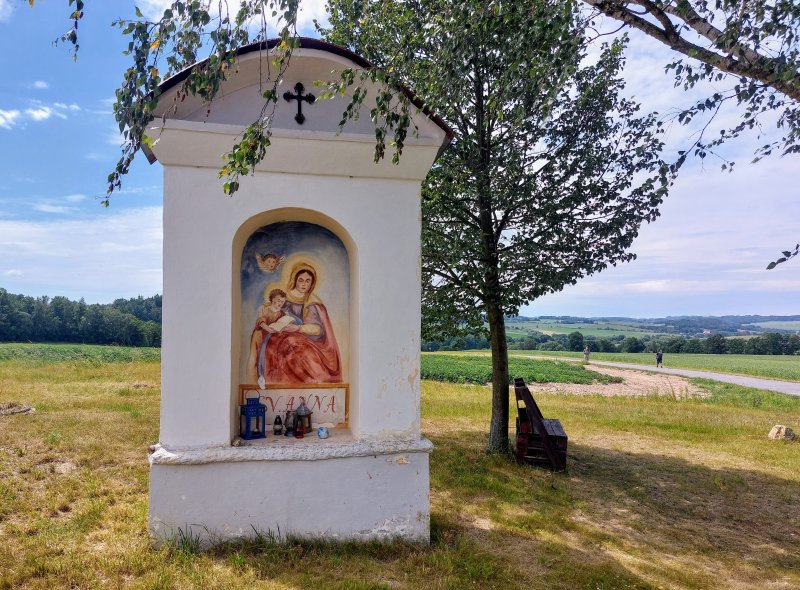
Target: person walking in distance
[659, 358]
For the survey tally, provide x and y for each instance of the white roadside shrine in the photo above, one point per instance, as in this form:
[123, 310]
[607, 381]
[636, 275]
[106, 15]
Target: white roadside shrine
[303, 287]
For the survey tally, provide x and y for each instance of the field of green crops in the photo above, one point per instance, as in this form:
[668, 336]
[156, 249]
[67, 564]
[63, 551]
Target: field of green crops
[86, 353]
[478, 369]
[599, 329]
[786, 368]
[778, 325]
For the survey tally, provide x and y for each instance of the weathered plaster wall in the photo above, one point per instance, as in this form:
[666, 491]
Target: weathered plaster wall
[381, 496]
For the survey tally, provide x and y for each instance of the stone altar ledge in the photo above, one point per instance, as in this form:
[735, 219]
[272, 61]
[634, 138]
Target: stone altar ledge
[340, 445]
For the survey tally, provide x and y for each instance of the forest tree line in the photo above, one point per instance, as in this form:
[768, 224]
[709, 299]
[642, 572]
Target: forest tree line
[769, 343]
[125, 322]
[137, 322]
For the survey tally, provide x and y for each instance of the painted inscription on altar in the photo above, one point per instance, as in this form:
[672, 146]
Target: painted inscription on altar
[329, 405]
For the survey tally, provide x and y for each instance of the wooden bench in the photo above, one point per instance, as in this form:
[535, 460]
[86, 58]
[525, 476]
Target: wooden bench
[539, 441]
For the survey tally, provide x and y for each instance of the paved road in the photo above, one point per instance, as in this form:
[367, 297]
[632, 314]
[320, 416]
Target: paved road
[789, 387]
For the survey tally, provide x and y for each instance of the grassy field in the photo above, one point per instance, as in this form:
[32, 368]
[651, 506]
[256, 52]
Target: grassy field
[660, 493]
[771, 367]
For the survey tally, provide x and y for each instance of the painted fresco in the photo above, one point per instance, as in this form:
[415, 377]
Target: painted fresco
[295, 282]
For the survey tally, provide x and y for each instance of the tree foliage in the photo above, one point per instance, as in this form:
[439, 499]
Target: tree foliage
[753, 45]
[551, 171]
[128, 322]
[191, 31]
[748, 49]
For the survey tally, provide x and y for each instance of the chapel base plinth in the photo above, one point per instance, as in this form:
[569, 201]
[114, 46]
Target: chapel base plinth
[216, 495]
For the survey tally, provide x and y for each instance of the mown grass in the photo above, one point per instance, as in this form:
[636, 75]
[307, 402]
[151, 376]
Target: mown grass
[478, 369]
[786, 368]
[659, 493]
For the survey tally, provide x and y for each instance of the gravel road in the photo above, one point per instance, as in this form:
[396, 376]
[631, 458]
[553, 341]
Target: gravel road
[789, 387]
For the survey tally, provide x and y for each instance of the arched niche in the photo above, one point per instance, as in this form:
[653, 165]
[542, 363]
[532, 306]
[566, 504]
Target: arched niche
[293, 316]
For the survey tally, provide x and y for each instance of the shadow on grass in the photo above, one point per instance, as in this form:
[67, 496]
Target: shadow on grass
[614, 520]
[624, 519]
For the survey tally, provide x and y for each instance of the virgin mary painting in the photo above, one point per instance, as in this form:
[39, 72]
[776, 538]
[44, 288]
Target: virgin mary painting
[302, 349]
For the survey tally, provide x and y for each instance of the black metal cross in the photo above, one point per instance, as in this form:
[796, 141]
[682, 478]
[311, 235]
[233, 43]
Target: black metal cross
[309, 98]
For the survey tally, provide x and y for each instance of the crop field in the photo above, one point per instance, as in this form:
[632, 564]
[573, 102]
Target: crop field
[80, 353]
[786, 368]
[598, 329]
[778, 325]
[660, 492]
[460, 368]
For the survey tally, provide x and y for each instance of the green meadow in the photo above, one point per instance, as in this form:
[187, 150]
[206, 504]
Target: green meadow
[659, 493]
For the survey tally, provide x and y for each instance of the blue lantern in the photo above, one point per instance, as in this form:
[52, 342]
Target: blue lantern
[253, 419]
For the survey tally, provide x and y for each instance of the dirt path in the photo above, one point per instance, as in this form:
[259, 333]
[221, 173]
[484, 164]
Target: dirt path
[789, 387]
[635, 384]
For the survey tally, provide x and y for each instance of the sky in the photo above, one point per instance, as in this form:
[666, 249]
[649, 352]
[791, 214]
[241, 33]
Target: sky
[705, 255]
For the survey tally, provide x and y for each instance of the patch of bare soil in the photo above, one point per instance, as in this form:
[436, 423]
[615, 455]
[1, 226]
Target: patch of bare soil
[15, 408]
[635, 384]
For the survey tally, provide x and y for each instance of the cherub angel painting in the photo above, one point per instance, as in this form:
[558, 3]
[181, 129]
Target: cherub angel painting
[269, 262]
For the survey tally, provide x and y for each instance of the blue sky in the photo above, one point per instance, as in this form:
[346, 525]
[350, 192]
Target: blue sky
[58, 140]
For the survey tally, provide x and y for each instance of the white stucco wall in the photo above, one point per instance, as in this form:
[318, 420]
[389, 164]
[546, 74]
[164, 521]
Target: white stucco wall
[203, 235]
[381, 497]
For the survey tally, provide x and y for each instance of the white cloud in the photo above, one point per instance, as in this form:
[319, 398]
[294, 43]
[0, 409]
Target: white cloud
[5, 10]
[40, 114]
[40, 85]
[140, 190]
[8, 118]
[114, 137]
[76, 198]
[707, 252]
[309, 10]
[110, 254]
[14, 272]
[47, 208]
[67, 107]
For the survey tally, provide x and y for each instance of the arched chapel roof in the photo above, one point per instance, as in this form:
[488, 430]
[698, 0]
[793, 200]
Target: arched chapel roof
[320, 45]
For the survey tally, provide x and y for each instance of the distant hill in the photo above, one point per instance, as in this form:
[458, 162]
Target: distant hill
[689, 326]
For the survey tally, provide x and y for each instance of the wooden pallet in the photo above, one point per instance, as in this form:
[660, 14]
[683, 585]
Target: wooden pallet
[540, 441]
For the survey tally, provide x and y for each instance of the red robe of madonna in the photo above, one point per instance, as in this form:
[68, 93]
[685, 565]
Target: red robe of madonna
[294, 357]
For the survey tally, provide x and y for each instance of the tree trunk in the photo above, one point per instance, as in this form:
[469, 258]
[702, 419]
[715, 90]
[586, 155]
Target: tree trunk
[498, 427]
[492, 290]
